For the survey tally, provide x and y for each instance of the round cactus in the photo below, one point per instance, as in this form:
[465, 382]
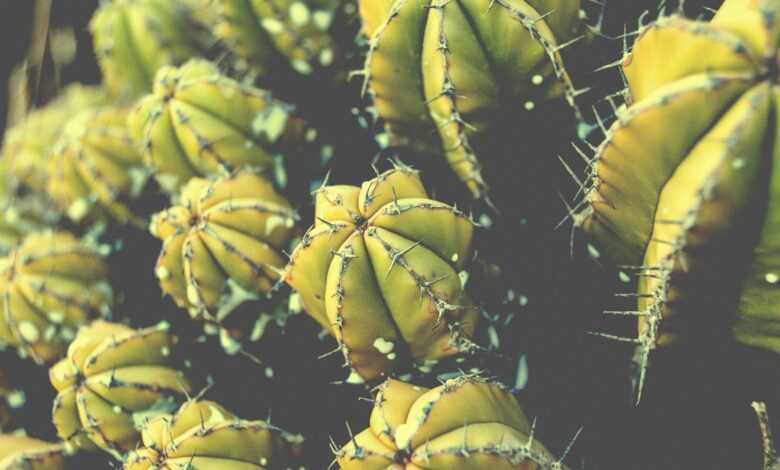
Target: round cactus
[203, 434]
[113, 379]
[224, 238]
[50, 285]
[684, 190]
[95, 167]
[199, 122]
[466, 423]
[134, 38]
[449, 66]
[381, 270]
[21, 452]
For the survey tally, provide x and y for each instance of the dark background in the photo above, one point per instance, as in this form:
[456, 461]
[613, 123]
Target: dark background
[695, 413]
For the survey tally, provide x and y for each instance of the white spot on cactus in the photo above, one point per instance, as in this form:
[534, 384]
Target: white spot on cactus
[537, 79]
[529, 105]
[355, 378]
[78, 209]
[322, 19]
[485, 221]
[738, 163]
[301, 66]
[311, 135]
[772, 278]
[464, 278]
[294, 304]
[228, 343]
[403, 435]
[521, 378]
[11, 215]
[299, 14]
[263, 461]
[392, 356]
[29, 332]
[383, 346]
[593, 252]
[522, 300]
[272, 25]
[454, 258]
[67, 334]
[116, 409]
[162, 273]
[624, 277]
[56, 316]
[383, 140]
[269, 373]
[165, 351]
[493, 334]
[327, 153]
[49, 333]
[16, 399]
[192, 294]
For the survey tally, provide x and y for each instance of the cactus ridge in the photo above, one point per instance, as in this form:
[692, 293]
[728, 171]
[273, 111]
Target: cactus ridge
[21, 452]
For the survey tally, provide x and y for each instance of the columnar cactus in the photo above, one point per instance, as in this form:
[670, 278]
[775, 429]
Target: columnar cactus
[134, 38]
[203, 434]
[95, 166]
[198, 122]
[50, 285]
[21, 452]
[382, 270]
[466, 423]
[223, 235]
[112, 380]
[684, 187]
[450, 66]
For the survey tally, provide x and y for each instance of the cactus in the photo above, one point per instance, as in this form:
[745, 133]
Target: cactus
[199, 122]
[203, 434]
[112, 380]
[96, 168]
[448, 66]
[50, 285]
[134, 38]
[771, 457]
[468, 422]
[683, 189]
[381, 270]
[21, 452]
[222, 241]
[23, 216]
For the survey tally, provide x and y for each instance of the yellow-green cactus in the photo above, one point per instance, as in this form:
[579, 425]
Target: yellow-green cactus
[382, 270]
[466, 423]
[50, 285]
[26, 453]
[113, 379]
[449, 66]
[203, 434]
[96, 167]
[199, 122]
[135, 38]
[223, 240]
[686, 185]
[297, 31]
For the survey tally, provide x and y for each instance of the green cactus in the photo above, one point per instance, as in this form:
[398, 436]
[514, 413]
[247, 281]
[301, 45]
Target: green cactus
[21, 452]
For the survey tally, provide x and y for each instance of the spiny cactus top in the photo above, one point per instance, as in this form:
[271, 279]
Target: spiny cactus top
[686, 185]
[134, 38]
[26, 453]
[50, 285]
[453, 64]
[198, 122]
[260, 31]
[466, 423]
[113, 380]
[223, 237]
[203, 434]
[96, 167]
[380, 270]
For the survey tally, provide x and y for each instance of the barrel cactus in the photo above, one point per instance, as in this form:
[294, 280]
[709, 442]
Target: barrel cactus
[224, 239]
[203, 434]
[113, 379]
[96, 168]
[134, 38]
[50, 285]
[199, 122]
[684, 190]
[382, 270]
[448, 67]
[25, 453]
[466, 423]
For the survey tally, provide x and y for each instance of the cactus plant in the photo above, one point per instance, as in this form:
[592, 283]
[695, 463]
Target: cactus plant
[448, 66]
[51, 284]
[96, 167]
[222, 240]
[22, 452]
[381, 270]
[683, 187]
[112, 380]
[468, 422]
[199, 122]
[203, 434]
[134, 38]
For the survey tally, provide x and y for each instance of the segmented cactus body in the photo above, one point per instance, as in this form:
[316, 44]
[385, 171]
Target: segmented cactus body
[203, 434]
[450, 66]
[96, 167]
[199, 122]
[134, 38]
[112, 381]
[51, 284]
[381, 270]
[26, 453]
[686, 185]
[226, 234]
[466, 423]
